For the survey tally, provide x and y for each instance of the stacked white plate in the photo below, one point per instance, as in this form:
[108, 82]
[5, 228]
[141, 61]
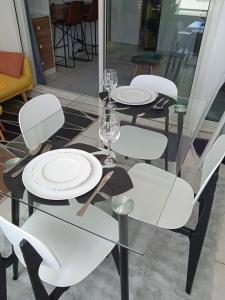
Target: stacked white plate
[62, 174]
[133, 96]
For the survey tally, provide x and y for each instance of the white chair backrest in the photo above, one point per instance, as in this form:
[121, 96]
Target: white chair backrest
[15, 235]
[212, 139]
[40, 118]
[211, 162]
[157, 84]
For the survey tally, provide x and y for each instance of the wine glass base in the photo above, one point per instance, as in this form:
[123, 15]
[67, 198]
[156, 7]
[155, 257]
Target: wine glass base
[109, 162]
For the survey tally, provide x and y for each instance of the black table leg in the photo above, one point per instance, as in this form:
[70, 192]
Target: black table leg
[15, 206]
[123, 206]
[124, 266]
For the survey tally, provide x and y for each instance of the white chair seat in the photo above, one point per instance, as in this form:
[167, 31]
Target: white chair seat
[140, 143]
[160, 198]
[78, 251]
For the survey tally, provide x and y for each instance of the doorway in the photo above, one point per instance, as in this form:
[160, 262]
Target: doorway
[66, 34]
[160, 37]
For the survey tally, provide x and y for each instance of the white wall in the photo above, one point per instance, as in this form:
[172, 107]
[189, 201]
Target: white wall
[9, 33]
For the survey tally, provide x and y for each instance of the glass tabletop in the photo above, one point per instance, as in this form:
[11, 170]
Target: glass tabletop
[139, 186]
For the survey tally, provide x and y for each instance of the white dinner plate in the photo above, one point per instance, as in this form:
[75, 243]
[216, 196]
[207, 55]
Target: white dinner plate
[42, 191]
[133, 96]
[61, 171]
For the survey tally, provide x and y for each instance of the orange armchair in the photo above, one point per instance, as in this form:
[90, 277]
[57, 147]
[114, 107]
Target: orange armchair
[11, 86]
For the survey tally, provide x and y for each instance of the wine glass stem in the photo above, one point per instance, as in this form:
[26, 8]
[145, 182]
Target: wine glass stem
[109, 92]
[109, 150]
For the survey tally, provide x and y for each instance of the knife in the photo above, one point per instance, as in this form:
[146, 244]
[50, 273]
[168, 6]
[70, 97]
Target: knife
[102, 183]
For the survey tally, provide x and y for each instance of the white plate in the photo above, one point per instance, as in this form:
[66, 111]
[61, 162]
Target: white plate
[133, 96]
[43, 192]
[61, 170]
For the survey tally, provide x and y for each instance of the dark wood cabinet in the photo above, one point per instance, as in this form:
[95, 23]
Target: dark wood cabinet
[42, 29]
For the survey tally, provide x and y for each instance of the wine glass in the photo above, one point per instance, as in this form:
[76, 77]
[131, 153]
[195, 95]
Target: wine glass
[110, 81]
[109, 132]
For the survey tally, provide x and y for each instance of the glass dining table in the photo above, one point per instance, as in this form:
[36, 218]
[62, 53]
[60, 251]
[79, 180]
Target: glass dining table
[117, 197]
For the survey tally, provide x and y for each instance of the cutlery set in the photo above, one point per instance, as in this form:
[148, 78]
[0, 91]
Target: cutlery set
[160, 104]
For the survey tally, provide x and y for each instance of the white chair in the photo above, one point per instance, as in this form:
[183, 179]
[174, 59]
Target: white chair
[59, 253]
[165, 201]
[156, 84]
[40, 118]
[141, 143]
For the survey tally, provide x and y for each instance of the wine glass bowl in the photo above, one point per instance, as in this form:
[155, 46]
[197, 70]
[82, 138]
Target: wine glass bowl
[110, 81]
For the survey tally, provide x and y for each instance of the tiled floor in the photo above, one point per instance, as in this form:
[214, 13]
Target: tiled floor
[83, 78]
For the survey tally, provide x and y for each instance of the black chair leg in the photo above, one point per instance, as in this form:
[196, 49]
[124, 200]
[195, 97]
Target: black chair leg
[198, 235]
[57, 292]
[3, 287]
[72, 46]
[15, 206]
[30, 204]
[134, 119]
[167, 134]
[85, 41]
[95, 37]
[64, 45]
[67, 40]
[92, 50]
[54, 35]
[33, 261]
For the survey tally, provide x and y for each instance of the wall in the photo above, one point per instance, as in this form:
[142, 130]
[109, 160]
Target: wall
[9, 33]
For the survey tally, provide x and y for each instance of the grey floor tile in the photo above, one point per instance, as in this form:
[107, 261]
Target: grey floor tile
[218, 292]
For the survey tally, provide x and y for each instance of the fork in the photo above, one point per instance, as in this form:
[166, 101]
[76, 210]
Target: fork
[1, 196]
[45, 149]
[156, 105]
[163, 104]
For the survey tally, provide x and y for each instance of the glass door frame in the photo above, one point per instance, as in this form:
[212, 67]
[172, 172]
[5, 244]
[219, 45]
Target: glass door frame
[101, 40]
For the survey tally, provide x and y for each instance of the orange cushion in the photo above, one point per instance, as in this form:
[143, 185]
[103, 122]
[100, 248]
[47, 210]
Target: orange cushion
[11, 63]
[2, 85]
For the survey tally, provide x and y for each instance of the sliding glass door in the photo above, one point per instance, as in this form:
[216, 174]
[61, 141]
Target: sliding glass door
[162, 37]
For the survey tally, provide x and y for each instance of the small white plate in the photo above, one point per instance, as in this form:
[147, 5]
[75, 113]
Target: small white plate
[42, 191]
[61, 171]
[133, 96]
